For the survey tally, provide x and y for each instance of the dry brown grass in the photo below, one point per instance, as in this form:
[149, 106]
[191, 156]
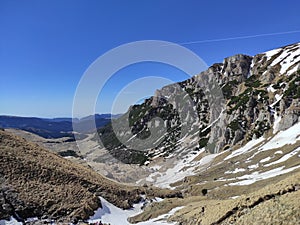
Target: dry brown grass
[218, 203]
[47, 184]
[283, 208]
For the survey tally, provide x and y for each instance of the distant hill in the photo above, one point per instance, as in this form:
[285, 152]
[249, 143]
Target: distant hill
[56, 127]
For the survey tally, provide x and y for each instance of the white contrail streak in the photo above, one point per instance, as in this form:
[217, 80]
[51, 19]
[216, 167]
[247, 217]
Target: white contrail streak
[239, 37]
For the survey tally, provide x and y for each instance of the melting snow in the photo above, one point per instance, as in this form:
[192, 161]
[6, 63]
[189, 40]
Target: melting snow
[278, 98]
[245, 148]
[287, 58]
[278, 152]
[295, 69]
[256, 176]
[285, 157]
[109, 213]
[234, 197]
[265, 159]
[289, 61]
[289, 136]
[237, 170]
[183, 168]
[12, 221]
[173, 174]
[252, 167]
[156, 167]
[271, 89]
[269, 54]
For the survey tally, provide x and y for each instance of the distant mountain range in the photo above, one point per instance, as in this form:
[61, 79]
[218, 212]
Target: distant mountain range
[54, 127]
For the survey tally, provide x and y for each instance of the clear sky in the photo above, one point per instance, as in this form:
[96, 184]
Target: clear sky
[46, 45]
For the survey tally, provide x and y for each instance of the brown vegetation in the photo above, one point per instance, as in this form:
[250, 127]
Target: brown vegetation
[36, 182]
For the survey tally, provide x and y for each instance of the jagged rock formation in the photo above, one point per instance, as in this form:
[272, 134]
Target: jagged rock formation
[261, 94]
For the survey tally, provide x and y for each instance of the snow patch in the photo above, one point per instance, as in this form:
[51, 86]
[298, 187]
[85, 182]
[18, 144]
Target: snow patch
[156, 167]
[12, 221]
[252, 167]
[278, 98]
[287, 58]
[289, 61]
[265, 159]
[284, 158]
[245, 148]
[269, 54]
[278, 152]
[289, 136]
[109, 213]
[234, 197]
[255, 176]
[173, 174]
[294, 70]
[258, 97]
[212, 123]
[271, 89]
[237, 170]
[183, 168]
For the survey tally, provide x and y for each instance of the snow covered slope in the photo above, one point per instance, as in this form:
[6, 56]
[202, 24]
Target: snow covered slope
[114, 215]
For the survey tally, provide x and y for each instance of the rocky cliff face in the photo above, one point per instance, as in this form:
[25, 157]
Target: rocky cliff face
[256, 95]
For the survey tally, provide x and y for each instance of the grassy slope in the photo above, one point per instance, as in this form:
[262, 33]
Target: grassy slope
[36, 182]
[278, 193]
[276, 203]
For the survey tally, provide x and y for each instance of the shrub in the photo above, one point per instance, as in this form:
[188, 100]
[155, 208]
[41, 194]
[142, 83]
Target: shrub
[252, 82]
[203, 142]
[294, 89]
[204, 191]
[234, 125]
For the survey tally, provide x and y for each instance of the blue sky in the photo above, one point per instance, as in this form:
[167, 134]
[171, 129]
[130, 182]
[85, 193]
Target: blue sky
[46, 46]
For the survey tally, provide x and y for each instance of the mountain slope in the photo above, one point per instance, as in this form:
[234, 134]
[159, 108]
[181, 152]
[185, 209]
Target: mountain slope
[238, 164]
[230, 159]
[36, 183]
[261, 96]
[253, 184]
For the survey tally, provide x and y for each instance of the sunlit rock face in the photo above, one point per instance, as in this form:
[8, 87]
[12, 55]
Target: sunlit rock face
[256, 95]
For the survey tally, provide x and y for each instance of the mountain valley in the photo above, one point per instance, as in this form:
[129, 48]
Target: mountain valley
[227, 151]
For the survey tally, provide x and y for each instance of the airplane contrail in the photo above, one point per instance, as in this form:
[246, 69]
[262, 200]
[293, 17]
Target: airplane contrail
[239, 37]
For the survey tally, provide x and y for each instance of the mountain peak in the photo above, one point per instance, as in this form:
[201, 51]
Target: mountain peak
[246, 83]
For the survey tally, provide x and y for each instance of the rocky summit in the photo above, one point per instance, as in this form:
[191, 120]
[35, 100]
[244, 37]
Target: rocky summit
[233, 102]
